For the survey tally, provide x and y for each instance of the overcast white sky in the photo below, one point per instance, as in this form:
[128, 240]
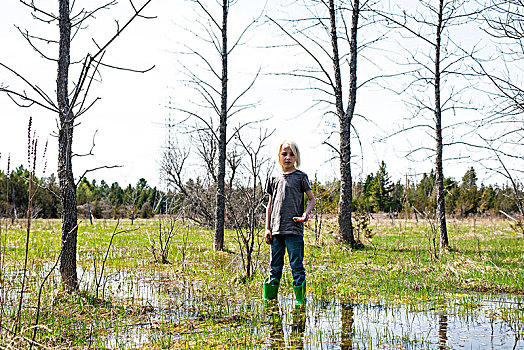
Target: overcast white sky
[129, 117]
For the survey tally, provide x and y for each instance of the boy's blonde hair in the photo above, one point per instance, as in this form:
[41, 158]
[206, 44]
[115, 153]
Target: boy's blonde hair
[294, 149]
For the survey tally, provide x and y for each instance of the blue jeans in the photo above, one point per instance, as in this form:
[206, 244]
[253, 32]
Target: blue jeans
[295, 251]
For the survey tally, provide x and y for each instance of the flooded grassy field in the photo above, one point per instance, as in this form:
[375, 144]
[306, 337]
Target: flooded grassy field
[397, 292]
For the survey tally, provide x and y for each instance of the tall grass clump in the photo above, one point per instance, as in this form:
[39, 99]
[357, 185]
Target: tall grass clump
[32, 143]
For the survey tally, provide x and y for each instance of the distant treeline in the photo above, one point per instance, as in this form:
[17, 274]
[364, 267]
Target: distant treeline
[103, 200]
[376, 194]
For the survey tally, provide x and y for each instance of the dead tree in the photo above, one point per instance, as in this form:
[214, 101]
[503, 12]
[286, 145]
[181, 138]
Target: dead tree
[432, 61]
[510, 173]
[501, 131]
[210, 115]
[247, 205]
[71, 103]
[327, 25]
[194, 195]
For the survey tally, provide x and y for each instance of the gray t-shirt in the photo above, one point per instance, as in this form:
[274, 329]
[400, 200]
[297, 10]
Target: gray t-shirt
[287, 191]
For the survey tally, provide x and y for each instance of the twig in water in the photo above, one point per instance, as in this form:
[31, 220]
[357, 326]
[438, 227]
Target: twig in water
[98, 281]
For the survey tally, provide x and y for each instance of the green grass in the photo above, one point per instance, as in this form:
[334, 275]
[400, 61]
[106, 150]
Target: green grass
[201, 300]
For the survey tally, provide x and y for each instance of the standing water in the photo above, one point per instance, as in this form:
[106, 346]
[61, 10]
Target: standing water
[190, 310]
[471, 321]
[487, 323]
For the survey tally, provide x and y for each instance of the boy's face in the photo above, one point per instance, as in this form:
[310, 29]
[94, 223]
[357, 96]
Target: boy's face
[287, 158]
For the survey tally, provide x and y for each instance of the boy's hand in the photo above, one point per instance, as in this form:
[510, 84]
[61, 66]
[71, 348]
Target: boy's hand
[305, 217]
[302, 218]
[269, 237]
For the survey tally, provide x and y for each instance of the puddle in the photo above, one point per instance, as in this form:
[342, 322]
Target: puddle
[469, 322]
[335, 325]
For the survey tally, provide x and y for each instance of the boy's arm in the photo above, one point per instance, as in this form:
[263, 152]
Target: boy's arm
[269, 236]
[311, 201]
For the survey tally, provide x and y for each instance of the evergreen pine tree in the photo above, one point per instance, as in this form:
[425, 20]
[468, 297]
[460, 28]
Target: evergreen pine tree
[468, 200]
[381, 189]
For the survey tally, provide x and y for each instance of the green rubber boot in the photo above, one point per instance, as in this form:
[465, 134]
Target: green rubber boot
[300, 294]
[271, 289]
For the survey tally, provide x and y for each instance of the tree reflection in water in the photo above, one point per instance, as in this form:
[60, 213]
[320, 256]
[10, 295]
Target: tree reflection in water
[347, 320]
[442, 330]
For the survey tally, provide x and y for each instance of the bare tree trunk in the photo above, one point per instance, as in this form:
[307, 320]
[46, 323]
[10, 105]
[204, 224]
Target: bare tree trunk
[65, 170]
[248, 262]
[221, 199]
[345, 230]
[66, 115]
[334, 81]
[345, 233]
[14, 213]
[441, 210]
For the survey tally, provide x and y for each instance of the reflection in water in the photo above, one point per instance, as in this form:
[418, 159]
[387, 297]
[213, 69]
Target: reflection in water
[494, 322]
[442, 330]
[276, 332]
[332, 324]
[346, 342]
[298, 327]
[277, 336]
